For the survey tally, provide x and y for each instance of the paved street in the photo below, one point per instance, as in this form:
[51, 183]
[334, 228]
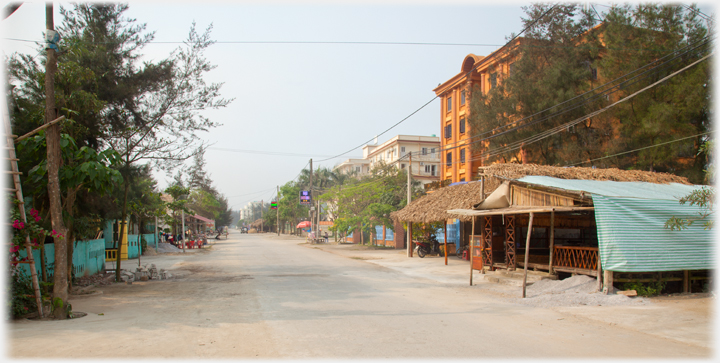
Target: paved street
[263, 296]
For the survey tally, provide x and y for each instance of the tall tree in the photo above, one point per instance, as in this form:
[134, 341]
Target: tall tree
[152, 111]
[558, 74]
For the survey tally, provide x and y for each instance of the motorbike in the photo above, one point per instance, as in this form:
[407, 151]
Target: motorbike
[459, 251]
[427, 246]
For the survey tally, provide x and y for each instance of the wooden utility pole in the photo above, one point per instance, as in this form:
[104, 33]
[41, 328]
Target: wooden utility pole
[277, 211]
[552, 240]
[445, 235]
[52, 138]
[409, 199]
[262, 223]
[312, 228]
[470, 248]
[527, 252]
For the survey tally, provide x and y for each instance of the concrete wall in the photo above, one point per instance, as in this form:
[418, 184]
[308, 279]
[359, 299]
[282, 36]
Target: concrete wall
[88, 258]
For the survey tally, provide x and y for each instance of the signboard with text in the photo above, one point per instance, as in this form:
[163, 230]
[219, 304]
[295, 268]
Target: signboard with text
[305, 197]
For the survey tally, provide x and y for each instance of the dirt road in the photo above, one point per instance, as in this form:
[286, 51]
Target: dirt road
[260, 296]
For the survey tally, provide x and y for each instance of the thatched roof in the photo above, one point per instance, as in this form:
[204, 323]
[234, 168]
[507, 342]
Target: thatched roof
[432, 207]
[516, 171]
[257, 224]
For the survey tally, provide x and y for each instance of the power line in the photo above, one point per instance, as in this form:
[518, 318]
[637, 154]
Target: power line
[273, 153]
[620, 86]
[435, 97]
[640, 149]
[535, 138]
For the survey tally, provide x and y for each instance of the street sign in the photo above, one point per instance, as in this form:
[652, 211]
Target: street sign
[305, 197]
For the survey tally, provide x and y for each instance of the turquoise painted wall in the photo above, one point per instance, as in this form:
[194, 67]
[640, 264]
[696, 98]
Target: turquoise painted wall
[88, 258]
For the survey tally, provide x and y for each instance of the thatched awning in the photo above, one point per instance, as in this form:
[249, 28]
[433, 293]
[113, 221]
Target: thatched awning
[517, 171]
[434, 206]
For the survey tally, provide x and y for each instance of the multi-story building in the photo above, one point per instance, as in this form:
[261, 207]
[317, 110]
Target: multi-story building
[425, 157]
[477, 73]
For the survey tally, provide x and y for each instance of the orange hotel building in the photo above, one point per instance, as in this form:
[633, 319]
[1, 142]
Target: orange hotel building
[477, 73]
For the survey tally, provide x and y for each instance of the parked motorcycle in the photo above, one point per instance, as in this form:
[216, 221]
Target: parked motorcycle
[428, 246]
[459, 251]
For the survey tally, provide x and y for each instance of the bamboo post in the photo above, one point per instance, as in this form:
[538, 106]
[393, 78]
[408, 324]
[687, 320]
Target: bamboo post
[686, 281]
[472, 237]
[599, 272]
[409, 239]
[445, 235]
[527, 252]
[552, 239]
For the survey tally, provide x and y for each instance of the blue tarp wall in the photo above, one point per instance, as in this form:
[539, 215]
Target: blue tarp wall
[453, 229]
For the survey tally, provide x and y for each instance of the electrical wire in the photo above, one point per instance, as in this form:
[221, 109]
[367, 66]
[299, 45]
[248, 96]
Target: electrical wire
[620, 86]
[535, 138]
[640, 149]
[453, 85]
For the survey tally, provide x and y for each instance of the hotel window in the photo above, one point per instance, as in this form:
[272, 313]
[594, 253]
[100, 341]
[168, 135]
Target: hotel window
[448, 160]
[493, 80]
[462, 155]
[449, 104]
[462, 125]
[448, 131]
[357, 169]
[427, 169]
[462, 97]
[511, 69]
[424, 151]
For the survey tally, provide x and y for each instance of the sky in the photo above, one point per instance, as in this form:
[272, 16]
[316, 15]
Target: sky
[294, 101]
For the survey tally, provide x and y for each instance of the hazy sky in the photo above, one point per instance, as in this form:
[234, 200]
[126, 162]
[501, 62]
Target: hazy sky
[311, 100]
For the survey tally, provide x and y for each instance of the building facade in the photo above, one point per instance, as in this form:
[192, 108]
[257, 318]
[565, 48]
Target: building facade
[425, 157]
[477, 74]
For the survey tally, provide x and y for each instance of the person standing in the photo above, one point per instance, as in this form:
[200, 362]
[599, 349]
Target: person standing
[326, 237]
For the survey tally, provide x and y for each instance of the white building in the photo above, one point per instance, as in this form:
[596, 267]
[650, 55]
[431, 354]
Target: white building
[425, 157]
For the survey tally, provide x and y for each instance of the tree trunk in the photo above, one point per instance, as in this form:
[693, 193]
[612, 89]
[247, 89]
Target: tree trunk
[43, 266]
[52, 136]
[121, 233]
[69, 203]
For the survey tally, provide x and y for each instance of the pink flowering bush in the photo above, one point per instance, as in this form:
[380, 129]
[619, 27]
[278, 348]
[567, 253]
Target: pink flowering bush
[20, 292]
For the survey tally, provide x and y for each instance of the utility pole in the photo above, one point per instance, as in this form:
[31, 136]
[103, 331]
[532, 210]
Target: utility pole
[262, 223]
[409, 199]
[312, 215]
[60, 278]
[277, 211]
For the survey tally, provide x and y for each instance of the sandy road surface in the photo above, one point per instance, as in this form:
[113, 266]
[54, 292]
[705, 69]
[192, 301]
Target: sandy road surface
[267, 297]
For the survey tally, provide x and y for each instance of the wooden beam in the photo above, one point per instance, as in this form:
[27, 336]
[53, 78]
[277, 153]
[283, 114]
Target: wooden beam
[43, 127]
[445, 236]
[607, 282]
[472, 237]
[552, 239]
[527, 252]
[686, 281]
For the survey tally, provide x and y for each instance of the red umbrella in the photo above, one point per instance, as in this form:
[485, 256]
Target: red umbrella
[304, 224]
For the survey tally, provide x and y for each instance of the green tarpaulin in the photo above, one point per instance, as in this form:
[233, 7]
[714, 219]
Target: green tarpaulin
[631, 218]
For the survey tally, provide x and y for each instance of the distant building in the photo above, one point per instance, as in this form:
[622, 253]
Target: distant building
[477, 73]
[425, 157]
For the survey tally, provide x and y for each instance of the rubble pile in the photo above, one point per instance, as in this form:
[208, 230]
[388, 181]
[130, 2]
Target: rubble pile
[145, 273]
[99, 279]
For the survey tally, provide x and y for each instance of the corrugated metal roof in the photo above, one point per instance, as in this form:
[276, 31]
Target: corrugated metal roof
[672, 191]
[631, 218]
